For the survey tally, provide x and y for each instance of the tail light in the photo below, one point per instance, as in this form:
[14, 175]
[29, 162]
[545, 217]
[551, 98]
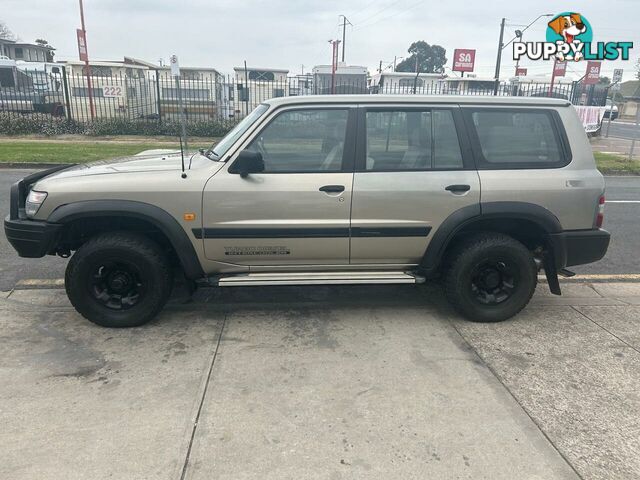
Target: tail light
[600, 215]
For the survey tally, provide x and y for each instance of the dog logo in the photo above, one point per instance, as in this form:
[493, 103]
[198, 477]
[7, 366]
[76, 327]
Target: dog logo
[569, 26]
[570, 37]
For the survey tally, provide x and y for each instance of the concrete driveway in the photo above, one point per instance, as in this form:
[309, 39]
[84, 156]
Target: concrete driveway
[323, 382]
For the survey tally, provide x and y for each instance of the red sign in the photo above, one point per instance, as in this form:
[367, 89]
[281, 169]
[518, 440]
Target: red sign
[559, 68]
[82, 45]
[521, 72]
[593, 73]
[463, 60]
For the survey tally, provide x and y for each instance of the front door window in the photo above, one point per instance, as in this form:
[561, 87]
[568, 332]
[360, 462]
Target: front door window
[301, 141]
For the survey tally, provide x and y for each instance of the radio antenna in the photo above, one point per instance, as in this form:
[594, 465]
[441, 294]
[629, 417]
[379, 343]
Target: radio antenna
[184, 175]
[175, 73]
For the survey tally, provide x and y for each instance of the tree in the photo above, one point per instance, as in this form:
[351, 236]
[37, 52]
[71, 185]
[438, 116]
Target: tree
[5, 32]
[431, 58]
[42, 42]
[604, 81]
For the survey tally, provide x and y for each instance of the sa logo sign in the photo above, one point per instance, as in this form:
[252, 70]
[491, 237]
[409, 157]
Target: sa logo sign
[463, 60]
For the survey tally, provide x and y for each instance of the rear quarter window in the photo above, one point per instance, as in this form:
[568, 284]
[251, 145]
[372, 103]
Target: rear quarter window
[518, 138]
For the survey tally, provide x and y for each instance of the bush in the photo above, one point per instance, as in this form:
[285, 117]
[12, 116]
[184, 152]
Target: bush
[11, 124]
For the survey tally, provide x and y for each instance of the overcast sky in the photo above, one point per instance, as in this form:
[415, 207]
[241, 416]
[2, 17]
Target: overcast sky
[289, 34]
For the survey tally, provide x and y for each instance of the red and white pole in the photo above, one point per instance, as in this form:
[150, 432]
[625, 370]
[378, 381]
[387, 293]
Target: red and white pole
[553, 77]
[334, 64]
[87, 67]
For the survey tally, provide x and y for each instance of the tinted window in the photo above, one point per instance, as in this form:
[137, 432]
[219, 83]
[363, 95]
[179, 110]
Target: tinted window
[412, 140]
[303, 141]
[6, 78]
[518, 138]
[260, 75]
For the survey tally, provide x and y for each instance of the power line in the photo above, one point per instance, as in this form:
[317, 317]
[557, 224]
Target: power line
[367, 7]
[378, 12]
[390, 16]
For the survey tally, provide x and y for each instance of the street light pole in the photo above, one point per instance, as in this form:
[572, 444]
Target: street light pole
[499, 58]
[502, 46]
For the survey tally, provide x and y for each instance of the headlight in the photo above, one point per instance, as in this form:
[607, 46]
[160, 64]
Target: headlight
[34, 200]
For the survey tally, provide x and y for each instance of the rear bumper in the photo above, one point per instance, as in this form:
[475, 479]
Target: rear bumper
[577, 247]
[31, 238]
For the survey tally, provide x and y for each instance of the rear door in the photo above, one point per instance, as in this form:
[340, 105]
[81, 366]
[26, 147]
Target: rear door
[413, 169]
[297, 211]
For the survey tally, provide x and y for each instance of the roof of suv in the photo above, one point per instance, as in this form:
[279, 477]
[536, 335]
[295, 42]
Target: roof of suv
[457, 99]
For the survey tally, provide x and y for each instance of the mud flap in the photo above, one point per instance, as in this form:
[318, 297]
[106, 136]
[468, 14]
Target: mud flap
[551, 272]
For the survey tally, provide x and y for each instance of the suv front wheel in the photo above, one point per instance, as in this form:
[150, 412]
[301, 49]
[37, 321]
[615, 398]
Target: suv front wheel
[118, 279]
[490, 277]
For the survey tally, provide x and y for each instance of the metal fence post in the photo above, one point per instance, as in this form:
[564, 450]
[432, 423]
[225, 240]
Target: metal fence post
[158, 95]
[67, 99]
[633, 141]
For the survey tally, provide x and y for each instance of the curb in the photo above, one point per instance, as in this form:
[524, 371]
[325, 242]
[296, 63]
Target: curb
[597, 278]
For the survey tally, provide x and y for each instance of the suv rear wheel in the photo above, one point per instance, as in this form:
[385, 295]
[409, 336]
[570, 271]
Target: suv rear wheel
[490, 277]
[118, 279]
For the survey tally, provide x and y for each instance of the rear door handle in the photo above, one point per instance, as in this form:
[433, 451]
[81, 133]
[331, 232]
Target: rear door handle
[458, 188]
[332, 188]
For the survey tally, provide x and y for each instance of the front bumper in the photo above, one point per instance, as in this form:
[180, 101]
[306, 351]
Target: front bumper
[31, 238]
[577, 247]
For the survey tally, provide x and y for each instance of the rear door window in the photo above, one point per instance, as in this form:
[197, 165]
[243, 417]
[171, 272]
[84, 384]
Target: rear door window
[409, 140]
[518, 138]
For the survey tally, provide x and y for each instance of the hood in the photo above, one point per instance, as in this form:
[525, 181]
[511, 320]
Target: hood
[147, 161]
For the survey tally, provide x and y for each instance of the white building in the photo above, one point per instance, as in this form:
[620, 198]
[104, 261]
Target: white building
[254, 85]
[348, 79]
[405, 82]
[540, 86]
[469, 85]
[28, 52]
[118, 90]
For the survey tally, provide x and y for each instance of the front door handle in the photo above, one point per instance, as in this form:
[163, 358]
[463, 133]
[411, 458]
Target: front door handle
[458, 188]
[332, 188]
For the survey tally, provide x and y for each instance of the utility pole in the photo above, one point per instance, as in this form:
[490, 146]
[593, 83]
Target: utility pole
[499, 59]
[87, 67]
[380, 67]
[344, 24]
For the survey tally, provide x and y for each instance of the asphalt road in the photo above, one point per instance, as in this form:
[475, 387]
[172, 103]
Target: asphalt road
[621, 219]
[622, 129]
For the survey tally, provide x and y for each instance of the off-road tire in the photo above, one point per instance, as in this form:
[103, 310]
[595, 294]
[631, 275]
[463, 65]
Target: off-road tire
[467, 257]
[143, 254]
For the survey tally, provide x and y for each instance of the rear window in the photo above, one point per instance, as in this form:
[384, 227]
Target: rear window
[525, 138]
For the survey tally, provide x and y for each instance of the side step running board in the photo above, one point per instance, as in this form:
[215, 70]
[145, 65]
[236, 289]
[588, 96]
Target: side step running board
[317, 278]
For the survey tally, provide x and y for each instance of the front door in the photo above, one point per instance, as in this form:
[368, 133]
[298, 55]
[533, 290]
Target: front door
[415, 170]
[295, 212]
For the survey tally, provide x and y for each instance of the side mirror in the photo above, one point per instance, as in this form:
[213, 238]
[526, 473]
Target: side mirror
[247, 162]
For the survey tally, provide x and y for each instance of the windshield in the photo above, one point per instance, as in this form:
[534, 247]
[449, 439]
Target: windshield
[218, 151]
